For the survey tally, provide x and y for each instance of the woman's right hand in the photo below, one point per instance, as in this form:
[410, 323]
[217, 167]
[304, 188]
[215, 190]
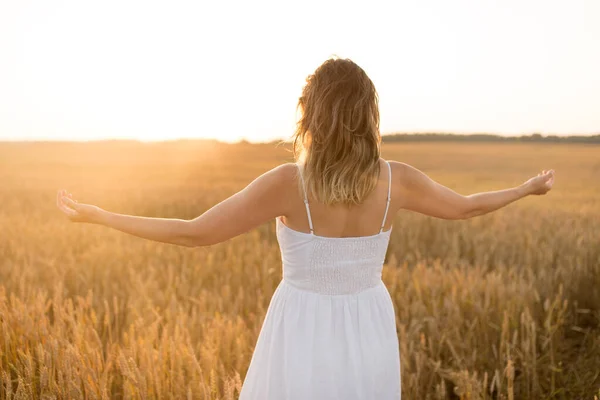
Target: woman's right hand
[540, 184]
[75, 211]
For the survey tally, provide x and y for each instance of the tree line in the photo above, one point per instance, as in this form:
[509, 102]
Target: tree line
[484, 137]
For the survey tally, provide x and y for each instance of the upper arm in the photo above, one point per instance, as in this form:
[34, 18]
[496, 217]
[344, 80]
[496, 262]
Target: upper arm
[422, 194]
[263, 199]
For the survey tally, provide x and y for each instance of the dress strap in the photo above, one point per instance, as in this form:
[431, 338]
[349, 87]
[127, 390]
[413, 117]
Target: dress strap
[306, 201]
[387, 206]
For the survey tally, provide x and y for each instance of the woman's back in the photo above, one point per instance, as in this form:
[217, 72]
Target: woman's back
[330, 330]
[342, 221]
[334, 265]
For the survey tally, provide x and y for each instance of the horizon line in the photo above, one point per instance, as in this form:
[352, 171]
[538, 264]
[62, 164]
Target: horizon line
[245, 140]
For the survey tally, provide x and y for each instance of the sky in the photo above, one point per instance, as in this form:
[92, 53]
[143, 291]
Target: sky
[149, 70]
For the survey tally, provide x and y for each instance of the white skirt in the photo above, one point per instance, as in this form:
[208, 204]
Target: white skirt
[315, 346]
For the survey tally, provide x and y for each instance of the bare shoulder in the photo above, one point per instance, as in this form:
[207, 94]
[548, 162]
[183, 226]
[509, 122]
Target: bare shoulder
[405, 175]
[286, 176]
[402, 173]
[285, 172]
[276, 185]
[397, 167]
[280, 176]
[276, 180]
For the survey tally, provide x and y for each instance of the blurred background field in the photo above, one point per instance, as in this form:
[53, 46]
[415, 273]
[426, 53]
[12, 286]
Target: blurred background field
[501, 306]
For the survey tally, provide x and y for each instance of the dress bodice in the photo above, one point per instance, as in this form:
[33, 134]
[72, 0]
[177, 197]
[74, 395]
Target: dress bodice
[332, 265]
[328, 265]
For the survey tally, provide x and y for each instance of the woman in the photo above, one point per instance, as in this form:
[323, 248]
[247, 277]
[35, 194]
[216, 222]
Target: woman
[329, 332]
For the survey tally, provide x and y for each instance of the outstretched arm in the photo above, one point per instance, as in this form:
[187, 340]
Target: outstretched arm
[262, 200]
[422, 194]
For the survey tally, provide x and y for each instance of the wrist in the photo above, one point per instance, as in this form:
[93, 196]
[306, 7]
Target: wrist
[524, 190]
[100, 216]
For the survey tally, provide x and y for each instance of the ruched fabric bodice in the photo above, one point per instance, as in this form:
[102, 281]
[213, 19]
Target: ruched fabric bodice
[328, 265]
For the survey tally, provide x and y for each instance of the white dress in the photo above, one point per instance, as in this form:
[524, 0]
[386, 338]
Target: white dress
[329, 332]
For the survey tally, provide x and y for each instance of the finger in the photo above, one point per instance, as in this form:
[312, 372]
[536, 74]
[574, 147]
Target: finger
[60, 197]
[69, 202]
[68, 211]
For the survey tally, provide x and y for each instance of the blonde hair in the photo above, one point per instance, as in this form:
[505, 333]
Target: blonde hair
[337, 138]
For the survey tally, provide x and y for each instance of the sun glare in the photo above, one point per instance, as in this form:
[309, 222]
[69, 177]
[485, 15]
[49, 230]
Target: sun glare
[154, 71]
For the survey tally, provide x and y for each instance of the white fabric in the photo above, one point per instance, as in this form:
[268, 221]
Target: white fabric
[330, 331]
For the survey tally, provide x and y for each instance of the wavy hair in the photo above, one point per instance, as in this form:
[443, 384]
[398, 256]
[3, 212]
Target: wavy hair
[337, 138]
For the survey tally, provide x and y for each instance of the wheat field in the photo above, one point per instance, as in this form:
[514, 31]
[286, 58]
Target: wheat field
[500, 306]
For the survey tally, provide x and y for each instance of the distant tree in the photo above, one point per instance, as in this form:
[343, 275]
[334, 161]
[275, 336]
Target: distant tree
[483, 137]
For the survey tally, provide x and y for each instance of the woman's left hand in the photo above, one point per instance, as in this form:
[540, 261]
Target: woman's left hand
[75, 211]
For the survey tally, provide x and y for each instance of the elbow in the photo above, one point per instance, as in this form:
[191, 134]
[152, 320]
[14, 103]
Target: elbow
[469, 209]
[196, 241]
[459, 217]
[193, 243]
[187, 241]
[191, 237]
[467, 216]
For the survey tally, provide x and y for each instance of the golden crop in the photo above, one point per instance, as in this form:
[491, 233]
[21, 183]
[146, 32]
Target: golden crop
[501, 306]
